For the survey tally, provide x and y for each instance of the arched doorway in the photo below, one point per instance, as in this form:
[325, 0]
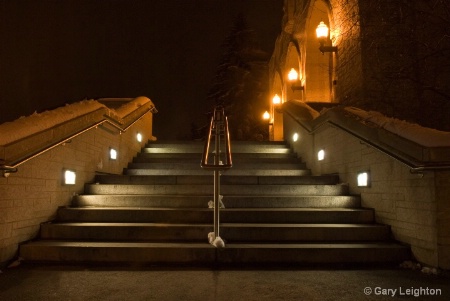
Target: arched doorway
[294, 90]
[319, 67]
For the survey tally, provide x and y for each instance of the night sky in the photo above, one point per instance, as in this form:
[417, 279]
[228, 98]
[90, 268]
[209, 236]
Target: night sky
[63, 51]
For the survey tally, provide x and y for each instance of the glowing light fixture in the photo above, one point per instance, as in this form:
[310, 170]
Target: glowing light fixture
[112, 154]
[295, 137]
[321, 155]
[322, 35]
[363, 179]
[69, 177]
[292, 75]
[293, 78]
[322, 31]
[139, 137]
[266, 115]
[276, 100]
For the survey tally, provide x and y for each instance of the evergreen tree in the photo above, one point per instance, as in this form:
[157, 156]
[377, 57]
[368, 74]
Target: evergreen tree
[240, 84]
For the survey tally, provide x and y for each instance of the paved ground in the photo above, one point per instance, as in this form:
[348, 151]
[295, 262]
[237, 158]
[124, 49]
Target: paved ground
[40, 282]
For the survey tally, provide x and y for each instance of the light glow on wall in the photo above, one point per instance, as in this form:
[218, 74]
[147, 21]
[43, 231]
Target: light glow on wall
[321, 155]
[295, 137]
[69, 177]
[322, 31]
[112, 154]
[293, 75]
[276, 100]
[363, 179]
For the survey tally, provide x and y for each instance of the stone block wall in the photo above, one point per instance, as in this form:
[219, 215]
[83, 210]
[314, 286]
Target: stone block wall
[405, 55]
[348, 69]
[442, 182]
[415, 206]
[32, 195]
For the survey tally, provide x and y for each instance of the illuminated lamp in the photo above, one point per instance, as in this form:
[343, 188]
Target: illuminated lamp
[322, 36]
[293, 78]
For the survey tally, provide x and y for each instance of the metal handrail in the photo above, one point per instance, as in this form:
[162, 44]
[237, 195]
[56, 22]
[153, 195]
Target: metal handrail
[219, 128]
[218, 121]
[12, 167]
[415, 165]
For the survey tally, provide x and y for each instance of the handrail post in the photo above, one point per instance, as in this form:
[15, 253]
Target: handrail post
[218, 127]
[217, 178]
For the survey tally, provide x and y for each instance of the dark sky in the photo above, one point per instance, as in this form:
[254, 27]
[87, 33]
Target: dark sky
[62, 51]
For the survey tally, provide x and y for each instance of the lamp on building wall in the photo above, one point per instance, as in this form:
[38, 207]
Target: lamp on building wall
[276, 101]
[139, 137]
[268, 118]
[322, 36]
[69, 177]
[321, 155]
[296, 84]
[112, 154]
[363, 179]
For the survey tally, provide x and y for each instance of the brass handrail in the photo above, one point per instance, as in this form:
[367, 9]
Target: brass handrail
[219, 128]
[219, 123]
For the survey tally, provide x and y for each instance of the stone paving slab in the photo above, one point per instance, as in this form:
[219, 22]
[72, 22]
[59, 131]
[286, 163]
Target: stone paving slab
[54, 282]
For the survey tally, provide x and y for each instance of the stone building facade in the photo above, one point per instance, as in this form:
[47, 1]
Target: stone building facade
[392, 57]
[388, 56]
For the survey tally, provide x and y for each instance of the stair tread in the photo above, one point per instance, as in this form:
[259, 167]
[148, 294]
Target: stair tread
[222, 225]
[157, 212]
[201, 172]
[247, 196]
[63, 243]
[223, 209]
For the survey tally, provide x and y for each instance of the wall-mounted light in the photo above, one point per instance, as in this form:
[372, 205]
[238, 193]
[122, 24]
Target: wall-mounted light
[296, 84]
[112, 154]
[266, 115]
[322, 36]
[139, 137]
[69, 177]
[321, 155]
[363, 179]
[276, 100]
[295, 137]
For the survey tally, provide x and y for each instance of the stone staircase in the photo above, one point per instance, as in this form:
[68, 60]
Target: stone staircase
[157, 213]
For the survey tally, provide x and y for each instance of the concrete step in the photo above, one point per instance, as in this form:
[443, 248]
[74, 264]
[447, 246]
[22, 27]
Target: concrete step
[201, 201]
[202, 143]
[205, 215]
[225, 179]
[237, 160]
[196, 165]
[236, 146]
[273, 149]
[231, 232]
[157, 213]
[198, 156]
[203, 253]
[230, 172]
[226, 190]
